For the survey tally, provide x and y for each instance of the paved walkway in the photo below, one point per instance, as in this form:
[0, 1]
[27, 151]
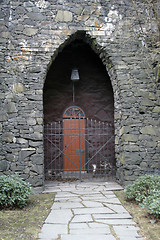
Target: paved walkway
[87, 211]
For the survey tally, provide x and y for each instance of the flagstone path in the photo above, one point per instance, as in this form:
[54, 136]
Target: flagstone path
[87, 211]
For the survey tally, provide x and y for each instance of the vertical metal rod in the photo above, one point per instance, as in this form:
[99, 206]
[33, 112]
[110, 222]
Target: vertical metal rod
[63, 144]
[107, 138]
[74, 159]
[45, 149]
[73, 92]
[67, 147]
[71, 132]
[109, 135]
[109, 145]
[103, 151]
[92, 147]
[100, 136]
[59, 145]
[96, 143]
[80, 147]
[55, 152]
[51, 149]
[87, 145]
[112, 144]
[47, 160]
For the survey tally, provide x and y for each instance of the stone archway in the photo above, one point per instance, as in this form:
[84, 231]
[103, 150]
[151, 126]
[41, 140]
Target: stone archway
[93, 92]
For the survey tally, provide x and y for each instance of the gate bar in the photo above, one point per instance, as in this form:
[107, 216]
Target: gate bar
[79, 148]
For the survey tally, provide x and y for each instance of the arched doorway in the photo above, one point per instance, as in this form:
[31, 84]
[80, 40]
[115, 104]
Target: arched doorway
[93, 94]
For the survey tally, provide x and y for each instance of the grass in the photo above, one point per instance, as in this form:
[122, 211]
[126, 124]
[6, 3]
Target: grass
[142, 218]
[18, 224]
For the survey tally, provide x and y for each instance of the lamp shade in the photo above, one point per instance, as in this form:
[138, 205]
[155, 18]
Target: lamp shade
[75, 75]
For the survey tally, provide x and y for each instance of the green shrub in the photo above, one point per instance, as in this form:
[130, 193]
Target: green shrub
[14, 192]
[146, 190]
[152, 203]
[142, 187]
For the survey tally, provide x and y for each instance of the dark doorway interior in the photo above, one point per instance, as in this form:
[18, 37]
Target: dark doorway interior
[93, 94]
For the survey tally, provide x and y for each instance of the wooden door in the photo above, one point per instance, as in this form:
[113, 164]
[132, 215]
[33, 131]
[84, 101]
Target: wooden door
[74, 139]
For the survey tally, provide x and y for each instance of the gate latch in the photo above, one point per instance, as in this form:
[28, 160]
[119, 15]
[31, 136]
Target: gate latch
[79, 151]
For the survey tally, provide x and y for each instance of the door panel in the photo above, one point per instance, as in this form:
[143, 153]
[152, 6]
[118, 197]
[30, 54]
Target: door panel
[74, 140]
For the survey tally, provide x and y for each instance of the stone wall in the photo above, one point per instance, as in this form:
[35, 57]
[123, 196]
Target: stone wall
[122, 33]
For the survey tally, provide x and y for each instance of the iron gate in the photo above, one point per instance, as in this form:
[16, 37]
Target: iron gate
[79, 148]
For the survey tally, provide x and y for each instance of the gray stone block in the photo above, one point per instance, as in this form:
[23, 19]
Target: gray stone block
[82, 218]
[3, 116]
[30, 31]
[35, 16]
[115, 222]
[92, 210]
[59, 216]
[24, 153]
[64, 16]
[50, 231]
[87, 237]
[10, 107]
[3, 165]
